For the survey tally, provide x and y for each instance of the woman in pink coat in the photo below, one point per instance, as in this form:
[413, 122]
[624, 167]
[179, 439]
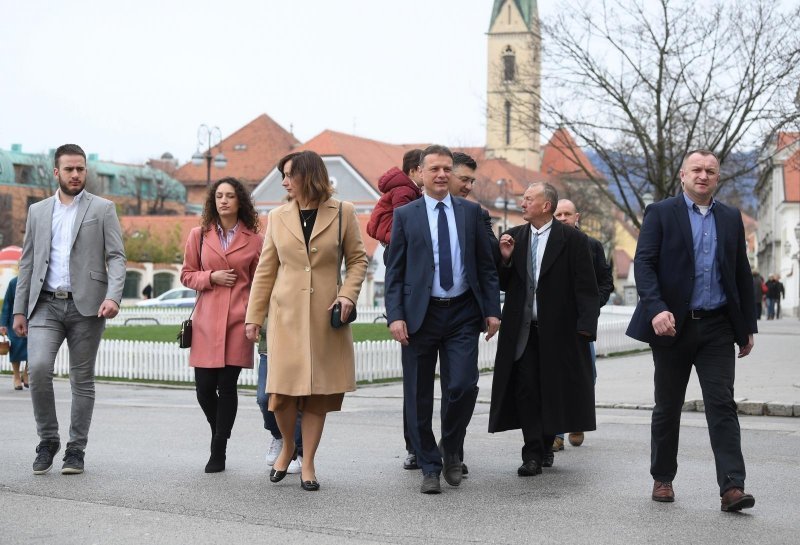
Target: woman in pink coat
[221, 270]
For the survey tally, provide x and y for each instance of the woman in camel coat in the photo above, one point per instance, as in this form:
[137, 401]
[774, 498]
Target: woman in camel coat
[230, 249]
[295, 287]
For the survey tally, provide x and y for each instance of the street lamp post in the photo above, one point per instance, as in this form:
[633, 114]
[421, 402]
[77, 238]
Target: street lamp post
[504, 184]
[210, 136]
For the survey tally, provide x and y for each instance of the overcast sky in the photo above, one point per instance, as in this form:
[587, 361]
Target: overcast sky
[131, 80]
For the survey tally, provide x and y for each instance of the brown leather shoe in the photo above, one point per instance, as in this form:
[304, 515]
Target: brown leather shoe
[662, 491]
[576, 438]
[734, 499]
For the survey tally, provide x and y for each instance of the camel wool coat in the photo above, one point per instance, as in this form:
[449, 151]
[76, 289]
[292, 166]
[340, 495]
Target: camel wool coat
[293, 288]
[218, 337]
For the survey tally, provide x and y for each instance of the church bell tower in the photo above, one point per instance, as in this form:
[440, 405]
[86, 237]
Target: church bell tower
[513, 85]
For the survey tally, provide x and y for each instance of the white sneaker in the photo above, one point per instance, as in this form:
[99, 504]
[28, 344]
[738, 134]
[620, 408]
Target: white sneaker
[295, 466]
[274, 450]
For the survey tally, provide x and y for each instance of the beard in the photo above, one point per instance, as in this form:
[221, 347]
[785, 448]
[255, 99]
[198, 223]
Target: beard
[67, 190]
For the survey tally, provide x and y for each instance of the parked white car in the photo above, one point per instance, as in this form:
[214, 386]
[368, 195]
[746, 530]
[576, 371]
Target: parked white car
[178, 297]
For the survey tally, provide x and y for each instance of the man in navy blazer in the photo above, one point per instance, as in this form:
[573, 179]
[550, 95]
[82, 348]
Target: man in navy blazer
[695, 302]
[441, 292]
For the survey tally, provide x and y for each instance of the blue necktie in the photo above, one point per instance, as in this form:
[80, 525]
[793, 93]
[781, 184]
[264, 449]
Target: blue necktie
[445, 261]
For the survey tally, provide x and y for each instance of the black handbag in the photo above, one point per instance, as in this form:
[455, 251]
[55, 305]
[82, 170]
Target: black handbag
[336, 312]
[185, 334]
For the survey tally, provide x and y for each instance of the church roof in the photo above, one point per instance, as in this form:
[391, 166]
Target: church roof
[527, 8]
[562, 157]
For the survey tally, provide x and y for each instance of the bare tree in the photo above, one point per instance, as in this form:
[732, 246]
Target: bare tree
[639, 87]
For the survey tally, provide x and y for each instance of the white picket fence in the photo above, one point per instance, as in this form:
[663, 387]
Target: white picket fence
[174, 316]
[375, 360]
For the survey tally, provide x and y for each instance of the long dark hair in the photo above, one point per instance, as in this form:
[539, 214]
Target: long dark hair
[247, 210]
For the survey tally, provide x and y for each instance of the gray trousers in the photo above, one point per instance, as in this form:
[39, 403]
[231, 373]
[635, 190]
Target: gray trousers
[52, 321]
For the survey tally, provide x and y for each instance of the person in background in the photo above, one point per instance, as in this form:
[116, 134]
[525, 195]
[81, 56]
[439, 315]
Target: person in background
[567, 213]
[759, 290]
[147, 292]
[312, 364]
[219, 262]
[19, 345]
[262, 399]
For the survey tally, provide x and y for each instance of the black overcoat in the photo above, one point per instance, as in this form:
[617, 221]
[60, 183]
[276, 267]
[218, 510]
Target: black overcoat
[567, 302]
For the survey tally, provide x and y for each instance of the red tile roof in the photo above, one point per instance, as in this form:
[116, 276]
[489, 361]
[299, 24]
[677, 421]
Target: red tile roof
[562, 156]
[252, 152]
[791, 177]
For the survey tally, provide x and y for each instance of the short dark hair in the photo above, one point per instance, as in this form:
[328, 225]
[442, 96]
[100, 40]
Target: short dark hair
[434, 150]
[699, 151]
[68, 149]
[247, 210]
[411, 160]
[460, 158]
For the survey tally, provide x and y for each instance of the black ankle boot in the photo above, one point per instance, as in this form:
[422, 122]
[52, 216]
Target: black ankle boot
[216, 462]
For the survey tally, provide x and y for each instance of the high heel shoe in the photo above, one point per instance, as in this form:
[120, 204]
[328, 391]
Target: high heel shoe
[277, 475]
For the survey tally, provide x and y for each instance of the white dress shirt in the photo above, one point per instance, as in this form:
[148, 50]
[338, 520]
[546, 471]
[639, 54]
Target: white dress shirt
[459, 280]
[61, 243]
[544, 235]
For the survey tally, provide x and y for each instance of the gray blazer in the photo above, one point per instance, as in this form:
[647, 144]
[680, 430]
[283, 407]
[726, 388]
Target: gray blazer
[96, 262]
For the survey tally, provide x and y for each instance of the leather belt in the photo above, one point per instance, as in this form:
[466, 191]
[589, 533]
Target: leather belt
[700, 313]
[58, 294]
[448, 301]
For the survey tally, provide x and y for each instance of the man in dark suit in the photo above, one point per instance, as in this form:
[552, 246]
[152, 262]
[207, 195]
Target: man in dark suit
[695, 302]
[441, 291]
[543, 369]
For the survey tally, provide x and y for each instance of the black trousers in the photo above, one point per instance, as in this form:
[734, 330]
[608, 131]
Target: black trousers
[708, 344]
[455, 330]
[216, 393]
[526, 375]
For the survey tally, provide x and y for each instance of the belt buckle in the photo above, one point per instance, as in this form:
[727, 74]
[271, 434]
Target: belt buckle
[61, 294]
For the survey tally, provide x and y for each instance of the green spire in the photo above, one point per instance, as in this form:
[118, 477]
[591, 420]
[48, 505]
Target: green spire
[527, 8]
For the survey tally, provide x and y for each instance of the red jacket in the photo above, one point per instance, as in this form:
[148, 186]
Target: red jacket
[398, 189]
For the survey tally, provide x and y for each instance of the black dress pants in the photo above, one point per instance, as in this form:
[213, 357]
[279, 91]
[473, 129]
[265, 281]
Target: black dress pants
[528, 398]
[216, 393]
[708, 344]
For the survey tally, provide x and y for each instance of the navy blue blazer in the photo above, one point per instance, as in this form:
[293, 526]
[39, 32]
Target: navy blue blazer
[410, 269]
[664, 269]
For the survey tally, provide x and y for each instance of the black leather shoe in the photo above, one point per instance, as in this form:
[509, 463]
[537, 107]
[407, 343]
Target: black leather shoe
[309, 486]
[548, 459]
[411, 461]
[529, 469]
[451, 470]
[464, 470]
[277, 475]
[430, 484]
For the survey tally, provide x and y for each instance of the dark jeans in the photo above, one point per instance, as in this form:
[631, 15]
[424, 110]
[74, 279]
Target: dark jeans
[709, 345]
[217, 395]
[526, 375]
[262, 398]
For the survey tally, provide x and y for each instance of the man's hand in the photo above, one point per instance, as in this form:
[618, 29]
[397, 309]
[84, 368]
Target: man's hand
[506, 247]
[3, 330]
[399, 331]
[252, 331]
[108, 309]
[745, 350]
[664, 324]
[492, 325]
[20, 326]
[225, 277]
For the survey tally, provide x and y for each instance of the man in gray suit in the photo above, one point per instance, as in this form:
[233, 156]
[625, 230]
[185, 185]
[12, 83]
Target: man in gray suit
[70, 280]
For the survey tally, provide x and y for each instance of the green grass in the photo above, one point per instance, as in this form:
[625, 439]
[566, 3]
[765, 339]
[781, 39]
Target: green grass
[167, 333]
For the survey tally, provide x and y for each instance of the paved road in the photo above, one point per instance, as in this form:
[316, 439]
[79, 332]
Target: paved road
[145, 483]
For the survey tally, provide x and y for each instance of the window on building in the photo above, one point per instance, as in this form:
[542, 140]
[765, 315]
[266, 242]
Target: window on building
[132, 281]
[509, 64]
[22, 174]
[508, 123]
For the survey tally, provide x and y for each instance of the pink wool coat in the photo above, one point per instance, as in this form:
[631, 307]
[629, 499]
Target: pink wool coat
[218, 322]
